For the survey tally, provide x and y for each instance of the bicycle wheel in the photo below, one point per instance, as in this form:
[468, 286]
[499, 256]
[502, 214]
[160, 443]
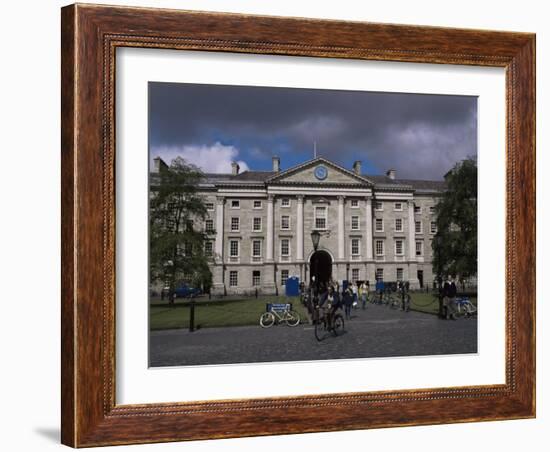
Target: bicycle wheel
[320, 330]
[267, 319]
[292, 318]
[338, 325]
[470, 309]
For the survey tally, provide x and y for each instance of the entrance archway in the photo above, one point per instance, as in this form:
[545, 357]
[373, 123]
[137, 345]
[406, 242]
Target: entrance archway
[320, 263]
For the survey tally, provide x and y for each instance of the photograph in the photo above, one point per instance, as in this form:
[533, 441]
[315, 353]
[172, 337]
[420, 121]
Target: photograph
[294, 224]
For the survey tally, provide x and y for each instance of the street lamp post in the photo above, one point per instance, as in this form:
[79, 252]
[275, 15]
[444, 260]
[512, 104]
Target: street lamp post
[315, 237]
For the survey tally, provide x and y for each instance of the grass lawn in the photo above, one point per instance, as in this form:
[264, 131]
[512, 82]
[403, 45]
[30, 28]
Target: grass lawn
[216, 313]
[426, 302]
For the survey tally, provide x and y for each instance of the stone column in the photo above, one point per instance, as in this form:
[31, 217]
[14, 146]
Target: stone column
[220, 201]
[269, 266]
[300, 229]
[218, 273]
[412, 241]
[341, 231]
[269, 240]
[412, 267]
[368, 229]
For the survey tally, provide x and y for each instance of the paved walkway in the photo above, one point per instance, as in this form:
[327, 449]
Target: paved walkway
[375, 332]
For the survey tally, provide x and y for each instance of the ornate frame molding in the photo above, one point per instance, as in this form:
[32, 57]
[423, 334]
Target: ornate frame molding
[90, 37]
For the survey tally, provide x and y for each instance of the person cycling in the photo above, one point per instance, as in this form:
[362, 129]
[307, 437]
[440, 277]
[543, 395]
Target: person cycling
[330, 304]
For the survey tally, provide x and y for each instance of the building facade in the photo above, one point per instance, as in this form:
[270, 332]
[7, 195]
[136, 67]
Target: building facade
[370, 226]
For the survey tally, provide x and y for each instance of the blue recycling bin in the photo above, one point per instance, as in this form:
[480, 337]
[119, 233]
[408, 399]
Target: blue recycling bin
[292, 288]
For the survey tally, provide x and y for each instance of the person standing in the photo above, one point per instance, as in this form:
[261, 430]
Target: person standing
[354, 291]
[449, 294]
[348, 302]
[452, 298]
[379, 289]
[364, 291]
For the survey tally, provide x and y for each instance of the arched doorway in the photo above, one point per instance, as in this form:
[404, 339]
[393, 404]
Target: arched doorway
[320, 263]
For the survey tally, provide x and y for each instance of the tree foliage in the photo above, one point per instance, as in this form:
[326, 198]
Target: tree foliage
[177, 239]
[455, 243]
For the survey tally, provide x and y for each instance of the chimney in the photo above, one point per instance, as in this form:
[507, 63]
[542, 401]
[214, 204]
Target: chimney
[391, 174]
[357, 167]
[276, 164]
[159, 165]
[235, 168]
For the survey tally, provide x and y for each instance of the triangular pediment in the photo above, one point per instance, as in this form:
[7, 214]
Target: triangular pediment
[318, 171]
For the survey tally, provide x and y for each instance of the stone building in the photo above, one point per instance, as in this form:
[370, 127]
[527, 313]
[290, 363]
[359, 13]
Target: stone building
[370, 226]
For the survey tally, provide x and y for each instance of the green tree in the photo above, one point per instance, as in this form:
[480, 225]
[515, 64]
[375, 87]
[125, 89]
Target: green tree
[177, 239]
[455, 243]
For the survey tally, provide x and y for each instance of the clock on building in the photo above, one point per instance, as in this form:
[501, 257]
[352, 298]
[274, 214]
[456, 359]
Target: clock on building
[321, 172]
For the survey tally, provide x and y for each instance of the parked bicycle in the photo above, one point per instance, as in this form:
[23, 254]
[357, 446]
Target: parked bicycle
[406, 302]
[464, 307]
[388, 298]
[400, 301]
[327, 322]
[279, 313]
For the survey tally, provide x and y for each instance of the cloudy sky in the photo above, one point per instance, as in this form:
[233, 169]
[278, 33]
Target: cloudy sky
[419, 135]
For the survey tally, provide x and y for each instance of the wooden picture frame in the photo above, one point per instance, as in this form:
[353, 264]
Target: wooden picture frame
[90, 36]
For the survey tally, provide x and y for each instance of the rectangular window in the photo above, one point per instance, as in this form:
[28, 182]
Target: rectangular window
[380, 273]
[399, 274]
[235, 224]
[285, 222]
[354, 203]
[379, 225]
[235, 204]
[209, 206]
[256, 278]
[256, 248]
[432, 209]
[284, 277]
[257, 224]
[354, 223]
[233, 278]
[187, 249]
[209, 225]
[418, 227]
[419, 250]
[257, 204]
[398, 225]
[320, 217]
[378, 205]
[398, 206]
[355, 247]
[234, 248]
[399, 247]
[285, 202]
[355, 274]
[433, 227]
[379, 247]
[417, 209]
[208, 248]
[285, 247]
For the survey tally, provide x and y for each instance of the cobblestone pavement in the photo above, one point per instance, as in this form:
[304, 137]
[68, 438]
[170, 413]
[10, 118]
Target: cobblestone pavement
[375, 332]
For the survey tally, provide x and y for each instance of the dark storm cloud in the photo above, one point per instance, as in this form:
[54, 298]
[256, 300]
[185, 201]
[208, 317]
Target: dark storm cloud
[421, 136]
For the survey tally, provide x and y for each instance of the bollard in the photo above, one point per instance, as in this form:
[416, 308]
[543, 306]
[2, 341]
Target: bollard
[192, 316]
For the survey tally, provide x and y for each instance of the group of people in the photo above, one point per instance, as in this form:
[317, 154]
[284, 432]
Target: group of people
[329, 297]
